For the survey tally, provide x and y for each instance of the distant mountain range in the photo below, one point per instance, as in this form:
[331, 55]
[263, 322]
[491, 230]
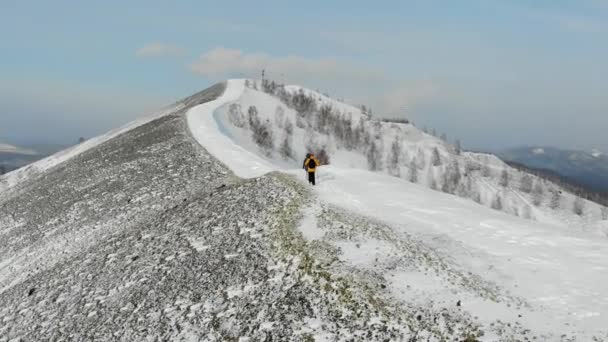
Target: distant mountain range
[13, 157]
[585, 168]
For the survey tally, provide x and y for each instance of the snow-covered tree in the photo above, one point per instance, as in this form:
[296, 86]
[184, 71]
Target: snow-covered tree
[236, 116]
[253, 117]
[261, 131]
[420, 159]
[285, 149]
[279, 116]
[413, 171]
[497, 202]
[451, 177]
[604, 213]
[436, 158]
[374, 157]
[526, 183]
[432, 182]
[247, 83]
[556, 199]
[504, 178]
[444, 137]
[486, 171]
[322, 156]
[458, 147]
[288, 127]
[578, 207]
[394, 157]
[537, 194]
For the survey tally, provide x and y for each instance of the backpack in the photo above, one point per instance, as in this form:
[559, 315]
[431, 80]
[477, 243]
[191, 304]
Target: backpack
[312, 164]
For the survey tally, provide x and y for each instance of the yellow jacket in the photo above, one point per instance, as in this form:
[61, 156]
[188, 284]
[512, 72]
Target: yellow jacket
[311, 169]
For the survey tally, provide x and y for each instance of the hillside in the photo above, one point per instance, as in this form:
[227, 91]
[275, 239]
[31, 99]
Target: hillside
[196, 224]
[288, 121]
[586, 169]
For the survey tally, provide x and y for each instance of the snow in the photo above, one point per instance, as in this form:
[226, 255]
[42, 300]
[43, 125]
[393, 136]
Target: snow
[560, 272]
[552, 267]
[538, 150]
[206, 130]
[596, 153]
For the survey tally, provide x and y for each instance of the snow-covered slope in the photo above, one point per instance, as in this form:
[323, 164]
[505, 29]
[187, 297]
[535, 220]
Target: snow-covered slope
[288, 121]
[542, 272]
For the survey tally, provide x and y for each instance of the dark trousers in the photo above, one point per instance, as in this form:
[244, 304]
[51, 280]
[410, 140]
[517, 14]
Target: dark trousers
[311, 178]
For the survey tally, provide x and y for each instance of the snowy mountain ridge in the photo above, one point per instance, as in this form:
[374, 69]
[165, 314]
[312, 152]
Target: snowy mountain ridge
[195, 225]
[297, 120]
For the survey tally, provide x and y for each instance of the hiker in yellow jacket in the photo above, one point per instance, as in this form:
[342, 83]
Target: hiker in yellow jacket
[310, 165]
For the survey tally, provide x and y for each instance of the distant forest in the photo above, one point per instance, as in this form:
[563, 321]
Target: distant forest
[567, 183]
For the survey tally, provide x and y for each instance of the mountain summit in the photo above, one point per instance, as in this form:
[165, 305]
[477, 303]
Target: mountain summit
[196, 223]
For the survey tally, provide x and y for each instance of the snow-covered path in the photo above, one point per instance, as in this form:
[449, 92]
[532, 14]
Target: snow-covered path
[207, 132]
[561, 273]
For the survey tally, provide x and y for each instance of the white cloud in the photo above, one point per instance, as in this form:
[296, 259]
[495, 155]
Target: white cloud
[159, 50]
[222, 62]
[7, 148]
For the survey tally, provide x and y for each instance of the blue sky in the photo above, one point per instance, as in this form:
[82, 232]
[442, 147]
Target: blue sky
[492, 73]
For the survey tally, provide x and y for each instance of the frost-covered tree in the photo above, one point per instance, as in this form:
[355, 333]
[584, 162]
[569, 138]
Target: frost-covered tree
[413, 171]
[431, 179]
[476, 196]
[236, 116]
[451, 177]
[261, 131]
[526, 183]
[324, 118]
[285, 149]
[420, 159]
[537, 194]
[497, 202]
[279, 116]
[504, 178]
[323, 156]
[253, 117]
[486, 171]
[374, 157]
[262, 135]
[436, 158]
[556, 199]
[288, 127]
[394, 157]
[578, 207]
